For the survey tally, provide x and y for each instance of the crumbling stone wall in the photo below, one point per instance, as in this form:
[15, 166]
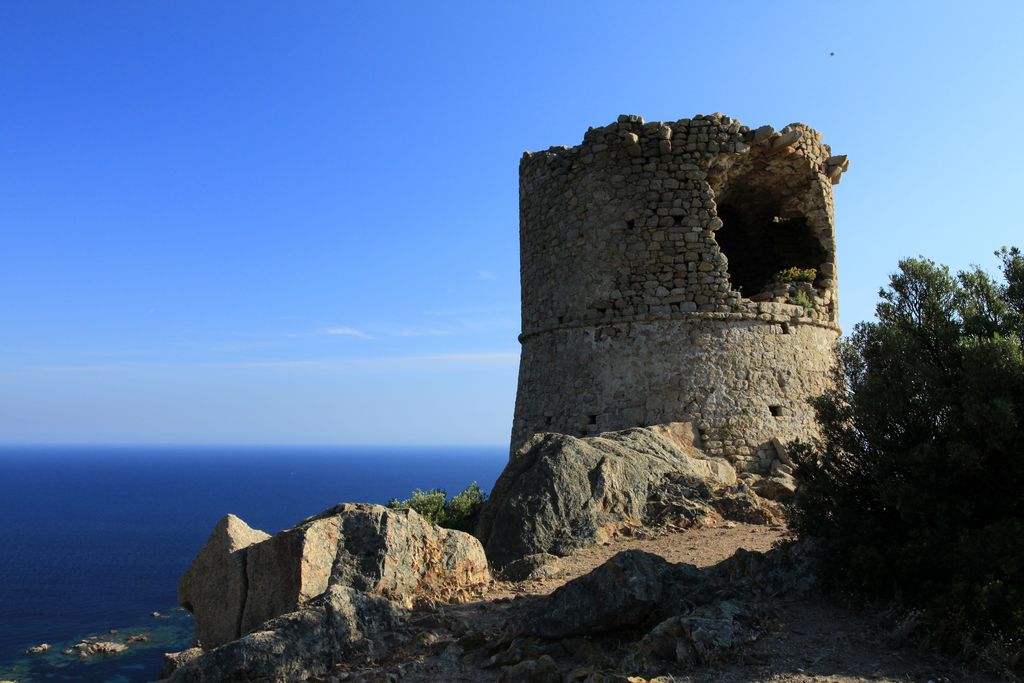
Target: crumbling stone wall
[632, 314]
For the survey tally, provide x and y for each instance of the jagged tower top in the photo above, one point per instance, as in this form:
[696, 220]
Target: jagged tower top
[663, 218]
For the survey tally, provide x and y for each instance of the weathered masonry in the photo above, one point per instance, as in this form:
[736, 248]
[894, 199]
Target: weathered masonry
[679, 270]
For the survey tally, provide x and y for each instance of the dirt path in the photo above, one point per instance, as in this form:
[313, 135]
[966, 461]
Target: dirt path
[809, 639]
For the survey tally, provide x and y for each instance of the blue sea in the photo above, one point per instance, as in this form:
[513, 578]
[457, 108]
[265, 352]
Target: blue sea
[95, 538]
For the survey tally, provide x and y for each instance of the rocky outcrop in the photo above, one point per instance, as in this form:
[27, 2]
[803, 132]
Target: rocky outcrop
[90, 648]
[778, 486]
[333, 592]
[645, 615]
[632, 589]
[243, 577]
[700, 636]
[634, 614]
[342, 624]
[215, 585]
[559, 493]
[176, 660]
[539, 566]
[636, 589]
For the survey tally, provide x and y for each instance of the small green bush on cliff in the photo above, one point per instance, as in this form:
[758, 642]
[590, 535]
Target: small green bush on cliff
[460, 512]
[916, 487]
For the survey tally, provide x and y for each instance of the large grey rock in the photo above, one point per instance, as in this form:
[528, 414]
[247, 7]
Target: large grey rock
[559, 493]
[785, 570]
[539, 566]
[215, 585]
[779, 486]
[396, 554]
[631, 589]
[699, 636]
[648, 614]
[289, 570]
[337, 626]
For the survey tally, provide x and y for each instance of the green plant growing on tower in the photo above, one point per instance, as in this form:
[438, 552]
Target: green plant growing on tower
[795, 274]
[802, 299]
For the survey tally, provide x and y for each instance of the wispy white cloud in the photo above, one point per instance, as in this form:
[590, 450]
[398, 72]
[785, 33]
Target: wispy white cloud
[347, 332]
[485, 275]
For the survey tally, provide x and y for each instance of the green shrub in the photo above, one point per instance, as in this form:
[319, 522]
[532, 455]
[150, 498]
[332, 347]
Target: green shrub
[916, 486]
[458, 513]
[801, 299]
[795, 274]
[430, 504]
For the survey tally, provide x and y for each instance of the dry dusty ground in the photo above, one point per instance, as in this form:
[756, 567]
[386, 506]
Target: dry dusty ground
[810, 640]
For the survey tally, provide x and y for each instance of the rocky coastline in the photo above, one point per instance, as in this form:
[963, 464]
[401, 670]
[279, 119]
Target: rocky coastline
[97, 654]
[359, 584]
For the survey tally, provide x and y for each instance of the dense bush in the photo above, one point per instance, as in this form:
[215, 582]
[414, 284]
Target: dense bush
[917, 487]
[795, 274]
[460, 512]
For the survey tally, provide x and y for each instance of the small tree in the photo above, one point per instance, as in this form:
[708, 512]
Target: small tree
[917, 487]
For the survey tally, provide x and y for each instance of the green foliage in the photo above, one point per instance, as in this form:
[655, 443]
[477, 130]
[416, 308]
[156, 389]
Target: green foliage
[460, 512]
[801, 299]
[462, 509]
[795, 274]
[430, 504]
[916, 485]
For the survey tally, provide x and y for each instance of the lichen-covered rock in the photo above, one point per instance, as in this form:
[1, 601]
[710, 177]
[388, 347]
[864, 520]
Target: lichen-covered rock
[215, 584]
[559, 493]
[396, 554]
[338, 625]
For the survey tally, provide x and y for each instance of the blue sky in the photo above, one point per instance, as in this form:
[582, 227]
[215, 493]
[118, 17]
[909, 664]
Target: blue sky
[256, 222]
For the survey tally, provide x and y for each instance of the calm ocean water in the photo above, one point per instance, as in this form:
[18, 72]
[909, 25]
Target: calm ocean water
[94, 538]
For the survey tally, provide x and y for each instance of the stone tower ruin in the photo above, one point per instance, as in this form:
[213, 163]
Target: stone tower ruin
[679, 271]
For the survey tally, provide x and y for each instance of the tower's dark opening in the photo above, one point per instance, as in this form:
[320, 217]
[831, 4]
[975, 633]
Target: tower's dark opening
[760, 238]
